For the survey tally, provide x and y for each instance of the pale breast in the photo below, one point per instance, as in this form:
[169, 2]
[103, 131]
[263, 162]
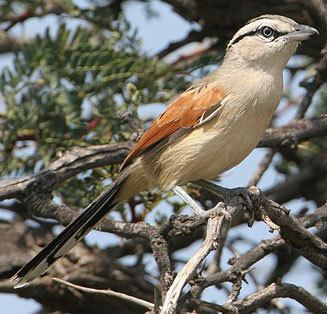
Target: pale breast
[223, 148]
[222, 143]
[219, 145]
[204, 153]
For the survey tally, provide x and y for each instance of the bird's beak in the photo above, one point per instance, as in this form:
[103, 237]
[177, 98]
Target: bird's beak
[301, 32]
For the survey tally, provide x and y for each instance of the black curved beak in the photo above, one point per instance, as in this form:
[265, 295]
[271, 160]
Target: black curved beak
[301, 32]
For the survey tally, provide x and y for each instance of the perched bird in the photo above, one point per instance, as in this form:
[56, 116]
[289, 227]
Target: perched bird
[207, 130]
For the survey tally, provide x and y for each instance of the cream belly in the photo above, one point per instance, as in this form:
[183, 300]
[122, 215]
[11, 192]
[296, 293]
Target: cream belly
[210, 150]
[204, 153]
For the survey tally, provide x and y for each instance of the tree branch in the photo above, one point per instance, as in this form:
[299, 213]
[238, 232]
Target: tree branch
[263, 297]
[293, 232]
[206, 13]
[281, 290]
[295, 132]
[217, 228]
[263, 166]
[318, 79]
[74, 161]
[107, 292]
[296, 185]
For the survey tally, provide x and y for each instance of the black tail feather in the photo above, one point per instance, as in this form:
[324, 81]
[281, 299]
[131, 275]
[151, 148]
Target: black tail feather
[70, 236]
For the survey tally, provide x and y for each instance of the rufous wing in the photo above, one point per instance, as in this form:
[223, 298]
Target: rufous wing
[186, 112]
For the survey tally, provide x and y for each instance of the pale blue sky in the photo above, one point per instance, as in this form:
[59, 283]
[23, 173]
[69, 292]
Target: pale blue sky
[156, 33]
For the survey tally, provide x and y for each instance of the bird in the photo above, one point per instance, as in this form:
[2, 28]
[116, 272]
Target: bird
[209, 128]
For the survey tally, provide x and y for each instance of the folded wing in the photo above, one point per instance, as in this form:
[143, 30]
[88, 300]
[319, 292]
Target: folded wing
[192, 108]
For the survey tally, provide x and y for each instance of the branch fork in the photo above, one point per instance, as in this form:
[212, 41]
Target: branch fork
[219, 222]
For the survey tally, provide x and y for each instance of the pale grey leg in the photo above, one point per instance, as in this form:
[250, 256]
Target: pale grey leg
[194, 206]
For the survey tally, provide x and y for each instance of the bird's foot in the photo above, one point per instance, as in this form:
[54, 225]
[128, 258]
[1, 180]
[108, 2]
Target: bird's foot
[229, 194]
[245, 194]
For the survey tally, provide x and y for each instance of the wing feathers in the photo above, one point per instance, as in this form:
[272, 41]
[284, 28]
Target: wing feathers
[187, 111]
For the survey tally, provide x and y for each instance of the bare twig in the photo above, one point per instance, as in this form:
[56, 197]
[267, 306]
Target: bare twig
[236, 288]
[275, 215]
[212, 307]
[70, 164]
[293, 232]
[281, 290]
[297, 184]
[108, 292]
[264, 297]
[317, 218]
[263, 166]
[318, 79]
[218, 226]
[52, 8]
[207, 12]
[295, 132]
[193, 35]
[240, 264]
[44, 207]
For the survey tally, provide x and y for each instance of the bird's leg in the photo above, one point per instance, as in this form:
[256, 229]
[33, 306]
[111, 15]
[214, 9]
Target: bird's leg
[227, 194]
[194, 206]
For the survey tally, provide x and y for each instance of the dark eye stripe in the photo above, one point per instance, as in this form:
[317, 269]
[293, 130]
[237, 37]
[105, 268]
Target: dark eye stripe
[278, 34]
[237, 39]
[254, 32]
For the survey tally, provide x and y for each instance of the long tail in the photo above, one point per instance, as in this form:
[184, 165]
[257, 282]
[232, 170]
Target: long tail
[71, 235]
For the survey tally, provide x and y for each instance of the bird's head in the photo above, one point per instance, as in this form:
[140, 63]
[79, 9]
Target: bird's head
[268, 39]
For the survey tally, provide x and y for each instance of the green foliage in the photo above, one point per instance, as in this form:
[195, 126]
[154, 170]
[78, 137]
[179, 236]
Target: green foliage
[65, 90]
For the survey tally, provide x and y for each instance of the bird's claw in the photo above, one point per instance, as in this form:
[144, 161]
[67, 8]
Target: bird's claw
[244, 193]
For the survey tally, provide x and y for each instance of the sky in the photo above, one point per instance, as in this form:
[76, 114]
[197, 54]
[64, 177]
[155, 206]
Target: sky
[156, 33]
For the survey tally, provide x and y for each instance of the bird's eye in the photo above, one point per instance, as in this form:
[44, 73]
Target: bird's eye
[266, 31]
